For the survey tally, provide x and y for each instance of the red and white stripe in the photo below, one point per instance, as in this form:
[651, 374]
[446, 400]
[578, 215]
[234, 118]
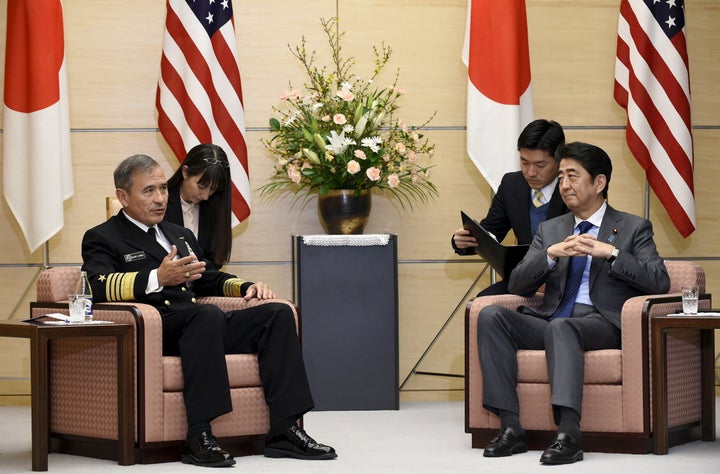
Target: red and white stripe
[499, 100]
[652, 84]
[199, 97]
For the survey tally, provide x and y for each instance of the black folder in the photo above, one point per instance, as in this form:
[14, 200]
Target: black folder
[502, 258]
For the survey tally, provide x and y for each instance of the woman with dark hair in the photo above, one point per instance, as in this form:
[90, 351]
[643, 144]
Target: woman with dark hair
[199, 199]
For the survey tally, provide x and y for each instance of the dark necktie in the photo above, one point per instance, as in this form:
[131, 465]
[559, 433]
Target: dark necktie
[151, 232]
[574, 278]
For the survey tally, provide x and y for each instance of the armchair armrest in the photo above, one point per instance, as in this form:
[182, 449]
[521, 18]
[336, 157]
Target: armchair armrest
[508, 300]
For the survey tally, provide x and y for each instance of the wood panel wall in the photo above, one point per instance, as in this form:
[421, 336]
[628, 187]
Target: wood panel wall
[113, 51]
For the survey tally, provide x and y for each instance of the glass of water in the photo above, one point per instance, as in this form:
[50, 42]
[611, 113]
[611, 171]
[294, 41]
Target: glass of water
[690, 299]
[77, 308]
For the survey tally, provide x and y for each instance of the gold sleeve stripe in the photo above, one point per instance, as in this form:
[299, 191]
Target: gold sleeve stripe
[120, 286]
[231, 286]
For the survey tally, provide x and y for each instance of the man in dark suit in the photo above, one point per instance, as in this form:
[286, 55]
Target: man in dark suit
[135, 256]
[590, 261]
[524, 198]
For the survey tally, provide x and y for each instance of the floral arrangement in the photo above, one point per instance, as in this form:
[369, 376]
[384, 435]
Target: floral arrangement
[342, 132]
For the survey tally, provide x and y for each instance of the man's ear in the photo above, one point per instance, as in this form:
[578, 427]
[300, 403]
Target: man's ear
[121, 194]
[600, 182]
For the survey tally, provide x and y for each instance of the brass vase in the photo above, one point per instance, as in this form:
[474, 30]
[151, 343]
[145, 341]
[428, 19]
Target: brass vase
[342, 212]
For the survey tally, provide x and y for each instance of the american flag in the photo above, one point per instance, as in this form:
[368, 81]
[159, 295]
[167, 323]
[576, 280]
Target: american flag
[199, 96]
[652, 83]
[499, 99]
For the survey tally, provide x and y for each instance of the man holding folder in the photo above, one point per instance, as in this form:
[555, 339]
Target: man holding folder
[524, 198]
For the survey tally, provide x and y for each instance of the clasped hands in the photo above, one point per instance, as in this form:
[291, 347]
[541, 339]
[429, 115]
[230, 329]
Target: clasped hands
[176, 271]
[584, 244]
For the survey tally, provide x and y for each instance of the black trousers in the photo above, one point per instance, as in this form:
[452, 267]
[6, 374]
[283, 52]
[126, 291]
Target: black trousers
[201, 335]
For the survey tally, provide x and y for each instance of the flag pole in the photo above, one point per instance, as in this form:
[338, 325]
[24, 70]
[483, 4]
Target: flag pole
[46, 254]
[414, 370]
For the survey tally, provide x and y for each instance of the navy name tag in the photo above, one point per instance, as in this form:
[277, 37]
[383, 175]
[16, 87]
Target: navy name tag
[132, 257]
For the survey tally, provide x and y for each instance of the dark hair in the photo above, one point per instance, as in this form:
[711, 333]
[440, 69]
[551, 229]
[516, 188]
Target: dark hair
[211, 161]
[541, 134]
[123, 174]
[592, 158]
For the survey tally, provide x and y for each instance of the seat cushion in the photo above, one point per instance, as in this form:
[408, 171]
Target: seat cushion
[601, 367]
[242, 370]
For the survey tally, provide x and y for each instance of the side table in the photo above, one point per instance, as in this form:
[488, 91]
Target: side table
[659, 325]
[40, 336]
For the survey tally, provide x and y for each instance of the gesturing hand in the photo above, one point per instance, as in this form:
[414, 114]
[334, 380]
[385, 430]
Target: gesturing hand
[175, 271]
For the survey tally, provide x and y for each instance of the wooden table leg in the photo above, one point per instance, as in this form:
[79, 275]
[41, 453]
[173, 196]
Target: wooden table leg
[707, 384]
[126, 415]
[659, 376]
[40, 410]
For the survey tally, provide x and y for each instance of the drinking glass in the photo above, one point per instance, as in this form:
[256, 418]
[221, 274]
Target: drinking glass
[77, 308]
[690, 299]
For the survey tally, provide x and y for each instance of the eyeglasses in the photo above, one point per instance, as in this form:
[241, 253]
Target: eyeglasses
[216, 162]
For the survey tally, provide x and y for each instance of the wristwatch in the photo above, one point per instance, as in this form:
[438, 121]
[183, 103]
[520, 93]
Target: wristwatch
[613, 256]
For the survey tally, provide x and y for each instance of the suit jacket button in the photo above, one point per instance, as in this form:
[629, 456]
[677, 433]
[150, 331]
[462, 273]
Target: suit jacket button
[193, 300]
[167, 302]
[183, 289]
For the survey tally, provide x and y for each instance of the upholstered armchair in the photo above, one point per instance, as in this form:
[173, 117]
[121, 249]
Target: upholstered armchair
[83, 414]
[616, 413]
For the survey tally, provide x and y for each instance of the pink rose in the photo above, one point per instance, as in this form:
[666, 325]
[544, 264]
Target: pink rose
[393, 180]
[373, 173]
[294, 174]
[339, 119]
[353, 167]
[325, 118]
[412, 155]
[360, 154]
[400, 148]
[345, 95]
[293, 94]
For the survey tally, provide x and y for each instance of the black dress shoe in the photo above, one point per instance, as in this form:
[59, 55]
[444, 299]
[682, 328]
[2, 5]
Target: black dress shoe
[564, 450]
[295, 443]
[506, 443]
[204, 450]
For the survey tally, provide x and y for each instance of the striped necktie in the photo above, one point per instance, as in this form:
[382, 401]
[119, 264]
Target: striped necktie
[538, 199]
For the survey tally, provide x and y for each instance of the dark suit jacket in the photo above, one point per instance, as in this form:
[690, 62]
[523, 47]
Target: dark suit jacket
[510, 210]
[174, 214]
[638, 269]
[119, 257]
